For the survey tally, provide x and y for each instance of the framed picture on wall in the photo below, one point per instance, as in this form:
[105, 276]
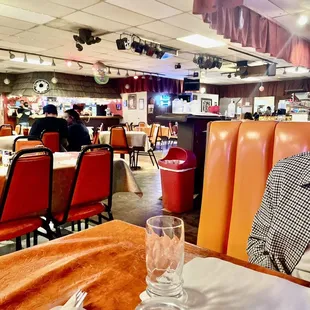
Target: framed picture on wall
[125, 103]
[132, 102]
[205, 104]
[150, 109]
[141, 104]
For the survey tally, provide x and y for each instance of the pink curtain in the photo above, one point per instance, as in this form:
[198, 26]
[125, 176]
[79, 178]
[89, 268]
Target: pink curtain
[244, 26]
[208, 6]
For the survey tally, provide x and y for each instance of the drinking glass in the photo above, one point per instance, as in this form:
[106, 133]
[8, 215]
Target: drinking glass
[164, 256]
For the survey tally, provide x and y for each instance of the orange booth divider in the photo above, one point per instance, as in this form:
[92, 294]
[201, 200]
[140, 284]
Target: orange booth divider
[239, 158]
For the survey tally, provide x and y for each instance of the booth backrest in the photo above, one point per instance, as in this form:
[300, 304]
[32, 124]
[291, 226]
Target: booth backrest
[239, 158]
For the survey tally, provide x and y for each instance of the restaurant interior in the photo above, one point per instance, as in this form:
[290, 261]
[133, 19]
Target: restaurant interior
[154, 154]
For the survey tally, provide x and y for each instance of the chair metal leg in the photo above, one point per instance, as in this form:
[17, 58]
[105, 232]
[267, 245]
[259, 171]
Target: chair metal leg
[18, 243]
[28, 240]
[72, 226]
[58, 231]
[150, 154]
[35, 237]
[99, 218]
[137, 158]
[79, 225]
[111, 218]
[86, 223]
[153, 155]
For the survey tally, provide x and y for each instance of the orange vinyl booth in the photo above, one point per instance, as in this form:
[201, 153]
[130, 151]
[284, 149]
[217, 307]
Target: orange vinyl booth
[239, 158]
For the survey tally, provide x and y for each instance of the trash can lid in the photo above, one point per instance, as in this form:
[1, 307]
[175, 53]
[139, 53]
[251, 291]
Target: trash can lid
[178, 159]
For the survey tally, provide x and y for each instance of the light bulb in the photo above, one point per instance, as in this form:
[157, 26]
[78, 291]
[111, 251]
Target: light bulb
[54, 80]
[6, 81]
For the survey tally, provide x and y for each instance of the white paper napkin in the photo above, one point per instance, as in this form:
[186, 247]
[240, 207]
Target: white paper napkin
[215, 284]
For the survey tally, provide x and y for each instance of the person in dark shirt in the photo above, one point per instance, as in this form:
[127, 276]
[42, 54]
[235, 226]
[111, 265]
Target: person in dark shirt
[51, 123]
[23, 114]
[78, 132]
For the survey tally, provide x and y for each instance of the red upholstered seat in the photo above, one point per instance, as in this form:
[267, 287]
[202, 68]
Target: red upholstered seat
[80, 213]
[51, 140]
[92, 184]
[13, 229]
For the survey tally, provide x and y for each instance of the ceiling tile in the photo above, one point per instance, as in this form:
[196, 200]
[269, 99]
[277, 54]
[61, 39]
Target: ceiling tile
[118, 14]
[17, 13]
[15, 23]
[289, 6]
[190, 23]
[9, 31]
[146, 34]
[34, 38]
[76, 4]
[149, 8]
[62, 24]
[265, 7]
[183, 5]
[53, 9]
[112, 37]
[17, 46]
[169, 30]
[52, 32]
[94, 21]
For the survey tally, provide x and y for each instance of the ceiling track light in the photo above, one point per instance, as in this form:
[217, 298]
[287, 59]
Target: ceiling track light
[135, 76]
[41, 60]
[127, 74]
[80, 66]
[143, 76]
[69, 63]
[158, 78]
[284, 71]
[12, 56]
[118, 73]
[109, 71]
[296, 69]
[53, 63]
[151, 78]
[25, 58]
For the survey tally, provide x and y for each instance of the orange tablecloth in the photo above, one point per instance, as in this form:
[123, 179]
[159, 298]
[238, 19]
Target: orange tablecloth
[107, 261]
[64, 169]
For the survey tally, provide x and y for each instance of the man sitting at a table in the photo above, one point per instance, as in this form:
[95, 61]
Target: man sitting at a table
[51, 123]
[280, 237]
[78, 134]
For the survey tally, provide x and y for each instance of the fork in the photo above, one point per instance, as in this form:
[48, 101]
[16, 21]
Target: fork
[79, 298]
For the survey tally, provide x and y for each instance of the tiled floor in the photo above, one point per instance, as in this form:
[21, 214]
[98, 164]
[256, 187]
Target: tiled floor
[132, 209]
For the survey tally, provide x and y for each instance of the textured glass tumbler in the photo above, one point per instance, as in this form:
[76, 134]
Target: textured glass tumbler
[164, 256]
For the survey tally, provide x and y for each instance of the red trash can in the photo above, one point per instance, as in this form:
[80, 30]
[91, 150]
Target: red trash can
[177, 171]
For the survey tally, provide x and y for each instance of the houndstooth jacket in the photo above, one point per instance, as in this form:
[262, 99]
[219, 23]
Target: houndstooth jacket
[281, 228]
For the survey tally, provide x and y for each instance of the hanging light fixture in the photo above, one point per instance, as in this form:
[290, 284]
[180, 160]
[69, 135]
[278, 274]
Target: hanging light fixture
[284, 71]
[127, 74]
[261, 88]
[69, 63]
[109, 71]
[118, 73]
[143, 76]
[25, 58]
[41, 60]
[12, 56]
[6, 81]
[53, 63]
[151, 78]
[158, 78]
[54, 80]
[80, 66]
[135, 77]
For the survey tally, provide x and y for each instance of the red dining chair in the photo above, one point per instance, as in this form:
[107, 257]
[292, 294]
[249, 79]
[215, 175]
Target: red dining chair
[92, 183]
[26, 142]
[51, 140]
[27, 196]
[118, 141]
[6, 130]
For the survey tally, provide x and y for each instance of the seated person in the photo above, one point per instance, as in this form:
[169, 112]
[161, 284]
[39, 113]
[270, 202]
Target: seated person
[280, 236]
[78, 132]
[51, 123]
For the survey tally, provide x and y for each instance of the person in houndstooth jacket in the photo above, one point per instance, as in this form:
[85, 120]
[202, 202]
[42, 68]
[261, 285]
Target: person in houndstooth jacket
[280, 234]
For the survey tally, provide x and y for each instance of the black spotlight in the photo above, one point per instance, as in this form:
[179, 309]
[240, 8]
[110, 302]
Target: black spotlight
[121, 43]
[79, 47]
[138, 47]
[229, 76]
[177, 66]
[196, 74]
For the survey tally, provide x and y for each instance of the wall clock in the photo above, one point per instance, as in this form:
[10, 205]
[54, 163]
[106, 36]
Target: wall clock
[41, 86]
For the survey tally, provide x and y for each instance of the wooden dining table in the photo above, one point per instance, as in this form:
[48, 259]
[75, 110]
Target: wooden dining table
[107, 261]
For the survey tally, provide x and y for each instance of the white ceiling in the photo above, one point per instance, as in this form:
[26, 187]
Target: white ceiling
[46, 27]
